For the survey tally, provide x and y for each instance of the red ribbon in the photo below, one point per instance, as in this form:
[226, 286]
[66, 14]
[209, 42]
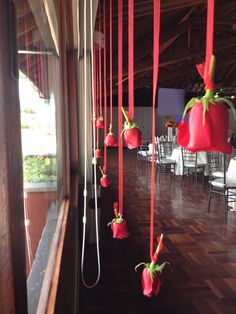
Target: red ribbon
[111, 65]
[131, 57]
[105, 86]
[100, 64]
[120, 100]
[156, 37]
[204, 68]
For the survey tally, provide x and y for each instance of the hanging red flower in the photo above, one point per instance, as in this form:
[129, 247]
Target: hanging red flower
[118, 225]
[104, 179]
[100, 123]
[207, 129]
[132, 134]
[110, 140]
[151, 276]
[98, 153]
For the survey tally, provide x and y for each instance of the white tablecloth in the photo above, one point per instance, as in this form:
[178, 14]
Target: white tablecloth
[177, 156]
[231, 174]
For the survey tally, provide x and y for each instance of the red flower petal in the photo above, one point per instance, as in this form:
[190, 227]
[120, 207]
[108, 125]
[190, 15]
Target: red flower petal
[110, 140]
[151, 286]
[210, 136]
[119, 230]
[98, 153]
[104, 182]
[100, 124]
[133, 138]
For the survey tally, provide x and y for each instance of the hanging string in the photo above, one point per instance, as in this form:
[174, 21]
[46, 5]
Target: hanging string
[120, 100]
[100, 63]
[105, 85]
[85, 147]
[131, 57]
[156, 36]
[95, 82]
[111, 65]
[209, 42]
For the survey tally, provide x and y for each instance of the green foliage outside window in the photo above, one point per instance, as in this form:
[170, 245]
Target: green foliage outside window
[39, 169]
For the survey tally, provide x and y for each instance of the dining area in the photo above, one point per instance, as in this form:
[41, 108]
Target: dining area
[216, 169]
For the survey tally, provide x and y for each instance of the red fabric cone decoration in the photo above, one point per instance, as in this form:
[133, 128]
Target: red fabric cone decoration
[100, 123]
[104, 179]
[207, 129]
[118, 225]
[151, 276]
[98, 153]
[132, 134]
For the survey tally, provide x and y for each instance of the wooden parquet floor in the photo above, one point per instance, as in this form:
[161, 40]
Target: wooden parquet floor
[200, 248]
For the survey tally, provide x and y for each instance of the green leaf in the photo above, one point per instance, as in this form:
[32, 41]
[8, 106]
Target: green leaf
[189, 105]
[137, 266]
[159, 268]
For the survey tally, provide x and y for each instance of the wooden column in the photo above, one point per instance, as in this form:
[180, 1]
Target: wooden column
[12, 250]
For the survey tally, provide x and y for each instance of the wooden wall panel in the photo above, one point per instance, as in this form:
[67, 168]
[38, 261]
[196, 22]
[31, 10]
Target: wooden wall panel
[12, 251]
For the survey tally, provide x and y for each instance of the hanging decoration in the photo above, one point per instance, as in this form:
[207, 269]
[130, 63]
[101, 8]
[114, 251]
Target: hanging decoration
[118, 224]
[100, 121]
[207, 129]
[98, 153]
[104, 179]
[132, 134]
[110, 139]
[151, 277]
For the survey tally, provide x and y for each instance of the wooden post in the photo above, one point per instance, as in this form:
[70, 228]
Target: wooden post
[12, 237]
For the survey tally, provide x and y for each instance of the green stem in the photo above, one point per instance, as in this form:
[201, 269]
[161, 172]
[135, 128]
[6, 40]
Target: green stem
[101, 170]
[125, 115]
[209, 94]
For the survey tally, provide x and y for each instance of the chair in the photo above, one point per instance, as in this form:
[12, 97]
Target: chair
[223, 186]
[164, 164]
[215, 165]
[166, 148]
[142, 152]
[191, 165]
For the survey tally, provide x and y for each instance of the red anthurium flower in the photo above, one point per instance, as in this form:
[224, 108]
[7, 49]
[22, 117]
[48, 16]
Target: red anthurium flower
[110, 140]
[100, 123]
[151, 276]
[98, 153]
[118, 225]
[132, 134]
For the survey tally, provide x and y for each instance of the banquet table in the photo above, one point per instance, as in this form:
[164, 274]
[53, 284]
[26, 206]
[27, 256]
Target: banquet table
[177, 156]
